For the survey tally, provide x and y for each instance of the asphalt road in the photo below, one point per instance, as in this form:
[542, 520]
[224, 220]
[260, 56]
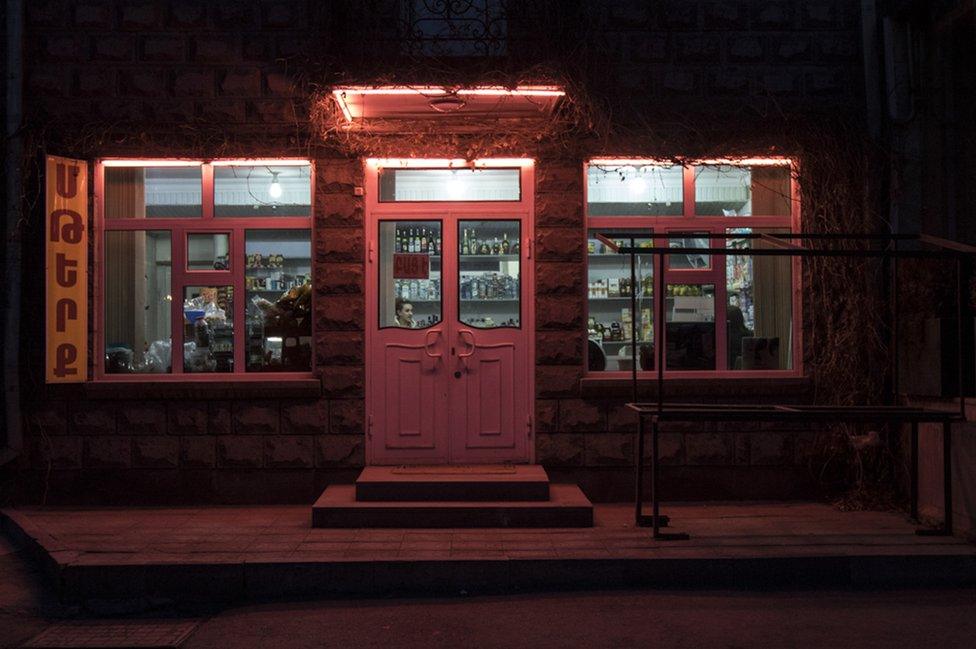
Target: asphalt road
[890, 619]
[941, 619]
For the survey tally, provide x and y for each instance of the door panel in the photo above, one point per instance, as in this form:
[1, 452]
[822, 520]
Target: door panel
[412, 400]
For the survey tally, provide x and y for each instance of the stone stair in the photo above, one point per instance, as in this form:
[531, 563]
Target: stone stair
[451, 497]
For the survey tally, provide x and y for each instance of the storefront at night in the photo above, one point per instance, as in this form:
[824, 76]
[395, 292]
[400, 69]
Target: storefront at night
[266, 266]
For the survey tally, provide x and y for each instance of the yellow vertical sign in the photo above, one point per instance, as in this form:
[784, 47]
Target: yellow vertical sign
[66, 269]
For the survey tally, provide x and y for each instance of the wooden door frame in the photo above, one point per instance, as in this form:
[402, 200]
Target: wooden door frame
[449, 213]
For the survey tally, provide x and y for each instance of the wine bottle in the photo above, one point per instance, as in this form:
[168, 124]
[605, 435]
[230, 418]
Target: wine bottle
[397, 244]
[437, 244]
[423, 240]
[506, 246]
[496, 247]
[466, 246]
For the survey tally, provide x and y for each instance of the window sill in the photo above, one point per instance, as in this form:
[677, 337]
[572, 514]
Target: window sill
[228, 389]
[706, 388]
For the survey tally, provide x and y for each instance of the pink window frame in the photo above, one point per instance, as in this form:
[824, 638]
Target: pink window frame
[690, 222]
[179, 228]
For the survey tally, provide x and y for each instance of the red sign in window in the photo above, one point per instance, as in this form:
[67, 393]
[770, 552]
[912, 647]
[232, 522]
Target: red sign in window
[411, 266]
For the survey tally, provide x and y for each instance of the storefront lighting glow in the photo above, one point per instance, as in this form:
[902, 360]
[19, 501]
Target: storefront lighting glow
[447, 163]
[341, 95]
[274, 189]
[744, 162]
[151, 163]
[261, 162]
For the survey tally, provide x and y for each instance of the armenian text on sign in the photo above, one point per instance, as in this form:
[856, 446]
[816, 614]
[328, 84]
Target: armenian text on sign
[411, 266]
[66, 269]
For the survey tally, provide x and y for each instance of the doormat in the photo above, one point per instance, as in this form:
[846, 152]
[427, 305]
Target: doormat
[103, 634]
[457, 469]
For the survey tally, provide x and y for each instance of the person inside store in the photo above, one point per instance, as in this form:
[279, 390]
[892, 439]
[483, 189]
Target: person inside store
[737, 331]
[404, 314]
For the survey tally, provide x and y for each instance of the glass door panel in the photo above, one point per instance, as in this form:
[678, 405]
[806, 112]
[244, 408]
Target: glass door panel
[410, 274]
[489, 295]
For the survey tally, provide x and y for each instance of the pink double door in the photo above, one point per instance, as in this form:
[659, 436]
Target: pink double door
[449, 339]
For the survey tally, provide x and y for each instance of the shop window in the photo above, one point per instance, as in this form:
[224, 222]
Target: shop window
[210, 276]
[633, 190]
[723, 314]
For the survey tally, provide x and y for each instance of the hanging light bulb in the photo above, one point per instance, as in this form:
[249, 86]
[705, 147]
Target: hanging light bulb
[274, 189]
[455, 185]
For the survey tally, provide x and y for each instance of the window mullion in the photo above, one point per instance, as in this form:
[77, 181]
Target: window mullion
[178, 281]
[240, 298]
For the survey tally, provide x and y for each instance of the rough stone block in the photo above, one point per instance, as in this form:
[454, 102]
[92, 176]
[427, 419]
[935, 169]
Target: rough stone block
[233, 14]
[107, 452]
[47, 83]
[341, 381]
[339, 348]
[729, 81]
[48, 418]
[240, 83]
[621, 419]
[92, 419]
[94, 16]
[219, 418]
[305, 417]
[61, 452]
[256, 49]
[339, 211]
[282, 15]
[558, 348]
[280, 84]
[288, 451]
[340, 244]
[670, 449]
[143, 83]
[64, 48]
[746, 49]
[557, 380]
[772, 15]
[577, 415]
[138, 16]
[559, 244]
[276, 111]
[95, 82]
[563, 312]
[338, 177]
[559, 449]
[340, 312]
[340, 278]
[546, 415]
[142, 418]
[157, 452]
[163, 48]
[240, 451]
[794, 48]
[740, 450]
[113, 48]
[198, 452]
[780, 82]
[222, 111]
[708, 449]
[698, 48]
[559, 209]
[559, 278]
[680, 14]
[340, 450]
[255, 417]
[348, 417]
[163, 111]
[187, 14]
[680, 82]
[771, 449]
[725, 16]
[608, 449]
[214, 49]
[553, 177]
[193, 83]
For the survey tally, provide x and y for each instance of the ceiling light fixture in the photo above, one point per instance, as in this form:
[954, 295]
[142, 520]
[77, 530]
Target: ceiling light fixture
[274, 189]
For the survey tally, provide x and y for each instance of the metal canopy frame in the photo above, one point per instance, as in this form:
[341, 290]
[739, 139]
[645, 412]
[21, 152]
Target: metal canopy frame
[783, 244]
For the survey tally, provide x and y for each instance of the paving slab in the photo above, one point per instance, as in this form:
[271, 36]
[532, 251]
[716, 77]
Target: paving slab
[207, 556]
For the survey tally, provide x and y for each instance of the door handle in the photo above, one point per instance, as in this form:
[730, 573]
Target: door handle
[427, 344]
[461, 334]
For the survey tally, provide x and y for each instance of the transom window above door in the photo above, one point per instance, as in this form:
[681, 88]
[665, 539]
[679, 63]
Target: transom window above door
[210, 259]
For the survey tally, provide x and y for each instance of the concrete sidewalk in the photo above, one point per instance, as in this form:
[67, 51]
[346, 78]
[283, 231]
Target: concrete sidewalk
[197, 556]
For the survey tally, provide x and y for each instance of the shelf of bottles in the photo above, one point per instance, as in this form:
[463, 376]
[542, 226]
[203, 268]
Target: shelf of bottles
[489, 277]
[738, 277]
[609, 292]
[423, 294]
[278, 283]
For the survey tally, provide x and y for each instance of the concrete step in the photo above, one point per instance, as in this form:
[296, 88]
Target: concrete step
[435, 483]
[567, 507]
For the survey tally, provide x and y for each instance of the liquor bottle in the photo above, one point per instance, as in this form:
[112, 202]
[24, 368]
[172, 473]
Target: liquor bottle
[397, 243]
[466, 246]
[437, 244]
[496, 247]
[506, 246]
[424, 242]
[405, 290]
